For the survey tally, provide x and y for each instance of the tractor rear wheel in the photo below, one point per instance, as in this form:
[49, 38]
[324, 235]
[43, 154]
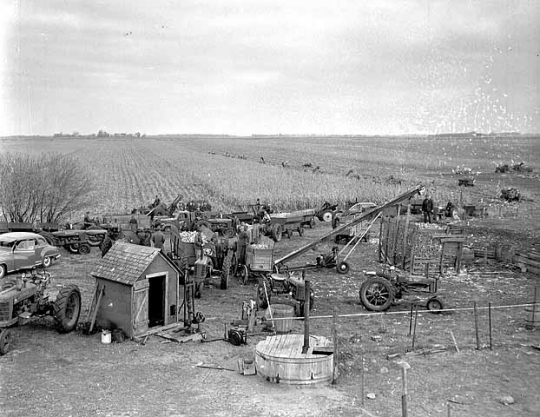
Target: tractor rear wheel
[234, 265]
[67, 308]
[5, 341]
[226, 271]
[377, 294]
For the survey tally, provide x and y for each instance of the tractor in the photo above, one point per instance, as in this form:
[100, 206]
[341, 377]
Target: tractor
[31, 296]
[387, 287]
[276, 284]
[511, 194]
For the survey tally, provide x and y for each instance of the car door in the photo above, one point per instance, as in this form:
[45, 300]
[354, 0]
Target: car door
[24, 254]
[41, 246]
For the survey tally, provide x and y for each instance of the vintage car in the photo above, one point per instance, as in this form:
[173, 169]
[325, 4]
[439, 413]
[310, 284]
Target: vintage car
[25, 250]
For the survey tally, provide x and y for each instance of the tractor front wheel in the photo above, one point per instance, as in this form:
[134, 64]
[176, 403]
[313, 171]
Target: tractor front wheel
[263, 294]
[67, 308]
[84, 248]
[5, 341]
[377, 294]
[434, 305]
[73, 247]
[244, 274]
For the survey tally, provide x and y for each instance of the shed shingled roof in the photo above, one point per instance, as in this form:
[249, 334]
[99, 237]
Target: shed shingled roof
[125, 262]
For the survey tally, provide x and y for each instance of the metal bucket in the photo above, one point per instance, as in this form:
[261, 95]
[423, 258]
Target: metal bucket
[105, 337]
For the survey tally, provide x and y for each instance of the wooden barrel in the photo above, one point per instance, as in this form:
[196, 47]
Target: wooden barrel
[282, 311]
[280, 359]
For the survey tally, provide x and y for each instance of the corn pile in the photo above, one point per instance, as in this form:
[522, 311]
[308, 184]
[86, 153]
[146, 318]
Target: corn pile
[260, 246]
[431, 226]
[191, 237]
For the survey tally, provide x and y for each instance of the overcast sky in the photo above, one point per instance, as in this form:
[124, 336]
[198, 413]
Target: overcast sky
[269, 66]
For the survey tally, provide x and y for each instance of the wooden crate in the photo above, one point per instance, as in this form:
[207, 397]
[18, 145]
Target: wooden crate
[260, 259]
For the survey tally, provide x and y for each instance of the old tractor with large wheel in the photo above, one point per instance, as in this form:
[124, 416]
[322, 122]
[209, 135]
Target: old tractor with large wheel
[276, 285]
[31, 296]
[385, 288]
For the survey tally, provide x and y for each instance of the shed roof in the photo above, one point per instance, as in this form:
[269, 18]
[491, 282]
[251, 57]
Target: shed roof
[125, 262]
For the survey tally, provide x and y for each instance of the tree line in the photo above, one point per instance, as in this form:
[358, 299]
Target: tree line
[42, 188]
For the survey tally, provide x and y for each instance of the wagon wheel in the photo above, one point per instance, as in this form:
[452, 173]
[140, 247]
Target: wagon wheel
[343, 267]
[262, 301]
[377, 294]
[301, 231]
[84, 248]
[244, 274]
[434, 305]
[67, 308]
[226, 271]
[277, 232]
[5, 341]
[327, 216]
[73, 247]
[228, 232]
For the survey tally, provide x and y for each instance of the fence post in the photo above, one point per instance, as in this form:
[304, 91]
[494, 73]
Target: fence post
[476, 326]
[490, 328]
[335, 336]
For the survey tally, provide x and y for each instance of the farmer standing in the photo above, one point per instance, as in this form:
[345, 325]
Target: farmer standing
[427, 208]
[158, 238]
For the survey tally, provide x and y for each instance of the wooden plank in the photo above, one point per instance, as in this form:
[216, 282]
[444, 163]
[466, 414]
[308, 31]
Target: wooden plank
[159, 329]
[526, 261]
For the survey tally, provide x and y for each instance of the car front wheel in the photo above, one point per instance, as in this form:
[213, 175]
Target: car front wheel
[3, 271]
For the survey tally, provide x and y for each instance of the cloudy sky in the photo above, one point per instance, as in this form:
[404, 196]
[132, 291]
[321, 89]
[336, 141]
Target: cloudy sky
[269, 66]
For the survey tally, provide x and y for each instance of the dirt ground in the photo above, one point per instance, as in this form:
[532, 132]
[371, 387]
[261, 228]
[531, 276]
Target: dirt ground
[49, 374]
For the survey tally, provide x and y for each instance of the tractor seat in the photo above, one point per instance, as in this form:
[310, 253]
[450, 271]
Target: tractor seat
[279, 277]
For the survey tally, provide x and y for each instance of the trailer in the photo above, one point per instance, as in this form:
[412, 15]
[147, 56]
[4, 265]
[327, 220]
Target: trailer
[369, 216]
[79, 241]
[287, 223]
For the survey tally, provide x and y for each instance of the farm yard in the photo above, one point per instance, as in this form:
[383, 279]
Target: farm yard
[453, 372]
[297, 173]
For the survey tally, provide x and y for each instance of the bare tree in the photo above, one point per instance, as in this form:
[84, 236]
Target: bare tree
[42, 188]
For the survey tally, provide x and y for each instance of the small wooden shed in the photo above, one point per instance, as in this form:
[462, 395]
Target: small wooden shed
[141, 289]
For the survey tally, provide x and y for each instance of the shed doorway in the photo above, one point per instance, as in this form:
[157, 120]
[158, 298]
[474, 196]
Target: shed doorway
[156, 301]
